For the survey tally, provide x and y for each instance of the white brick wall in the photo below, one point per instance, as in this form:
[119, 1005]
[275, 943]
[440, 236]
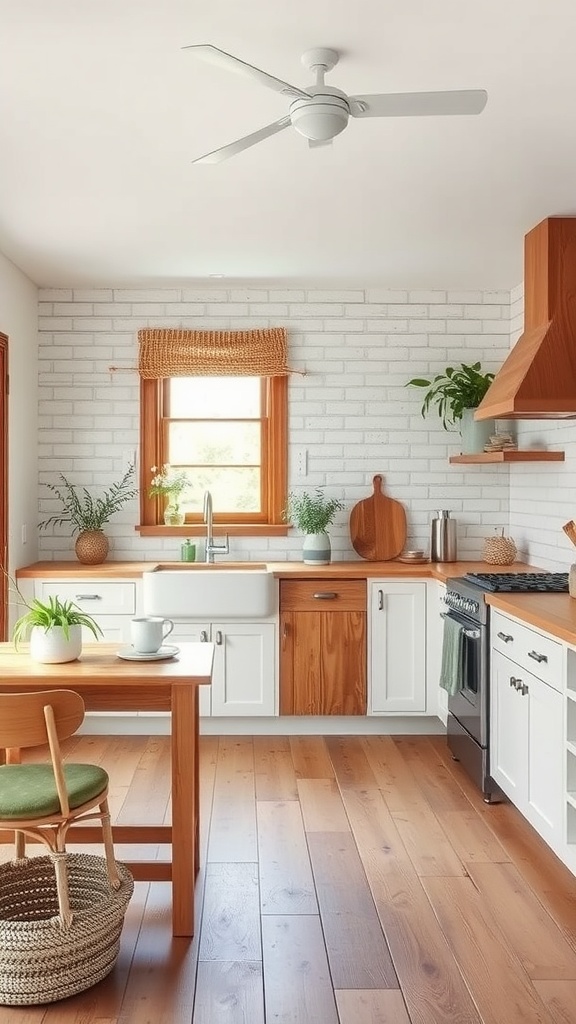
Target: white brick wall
[542, 496]
[351, 409]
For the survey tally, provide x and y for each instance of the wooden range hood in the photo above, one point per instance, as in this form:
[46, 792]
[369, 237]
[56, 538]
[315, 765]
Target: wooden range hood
[538, 379]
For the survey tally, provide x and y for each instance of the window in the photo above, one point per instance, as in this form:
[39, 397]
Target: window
[229, 435]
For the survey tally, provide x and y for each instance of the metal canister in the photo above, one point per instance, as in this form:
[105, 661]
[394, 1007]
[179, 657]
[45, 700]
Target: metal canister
[443, 542]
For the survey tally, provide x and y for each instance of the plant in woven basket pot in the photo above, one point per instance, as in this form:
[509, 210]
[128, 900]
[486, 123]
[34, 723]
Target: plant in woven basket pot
[457, 393]
[54, 628]
[88, 514]
[312, 514]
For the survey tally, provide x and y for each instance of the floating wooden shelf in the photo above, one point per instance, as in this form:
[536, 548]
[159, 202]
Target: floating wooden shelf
[535, 455]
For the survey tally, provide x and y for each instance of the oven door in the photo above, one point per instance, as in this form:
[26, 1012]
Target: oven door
[469, 704]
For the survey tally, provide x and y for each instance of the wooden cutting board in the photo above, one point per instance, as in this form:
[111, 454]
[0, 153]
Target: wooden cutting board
[378, 526]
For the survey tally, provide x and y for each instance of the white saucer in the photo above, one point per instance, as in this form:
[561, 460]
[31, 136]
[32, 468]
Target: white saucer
[129, 654]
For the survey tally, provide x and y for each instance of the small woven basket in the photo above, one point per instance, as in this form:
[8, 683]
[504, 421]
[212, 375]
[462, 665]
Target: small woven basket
[42, 960]
[499, 550]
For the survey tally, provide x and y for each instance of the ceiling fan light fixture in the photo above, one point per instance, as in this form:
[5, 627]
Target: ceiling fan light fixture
[320, 119]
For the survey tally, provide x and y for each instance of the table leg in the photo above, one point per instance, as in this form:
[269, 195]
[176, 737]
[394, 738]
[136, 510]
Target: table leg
[184, 805]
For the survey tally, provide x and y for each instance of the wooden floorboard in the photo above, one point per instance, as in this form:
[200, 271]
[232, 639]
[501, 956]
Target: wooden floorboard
[344, 880]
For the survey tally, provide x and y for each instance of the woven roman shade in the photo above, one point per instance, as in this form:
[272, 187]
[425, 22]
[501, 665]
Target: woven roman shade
[170, 352]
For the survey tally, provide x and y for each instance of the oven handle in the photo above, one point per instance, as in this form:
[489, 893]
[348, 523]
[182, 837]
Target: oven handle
[472, 634]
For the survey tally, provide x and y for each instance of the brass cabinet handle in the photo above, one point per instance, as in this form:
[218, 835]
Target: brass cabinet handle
[325, 595]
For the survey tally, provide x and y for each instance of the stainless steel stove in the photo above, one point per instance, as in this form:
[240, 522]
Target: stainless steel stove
[469, 707]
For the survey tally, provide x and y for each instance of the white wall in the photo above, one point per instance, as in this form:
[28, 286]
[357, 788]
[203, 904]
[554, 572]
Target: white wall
[542, 495]
[19, 320]
[351, 409]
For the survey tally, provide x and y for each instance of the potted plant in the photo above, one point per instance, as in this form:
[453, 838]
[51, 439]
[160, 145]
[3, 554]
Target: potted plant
[312, 513]
[88, 514]
[457, 393]
[169, 483]
[55, 629]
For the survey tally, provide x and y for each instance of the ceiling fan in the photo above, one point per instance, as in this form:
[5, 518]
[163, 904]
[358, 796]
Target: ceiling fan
[321, 112]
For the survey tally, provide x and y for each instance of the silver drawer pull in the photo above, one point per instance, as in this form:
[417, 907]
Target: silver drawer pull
[516, 683]
[524, 689]
[326, 595]
[203, 636]
[218, 636]
[537, 657]
[505, 637]
[88, 597]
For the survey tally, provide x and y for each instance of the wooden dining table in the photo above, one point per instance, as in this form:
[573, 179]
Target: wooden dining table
[108, 683]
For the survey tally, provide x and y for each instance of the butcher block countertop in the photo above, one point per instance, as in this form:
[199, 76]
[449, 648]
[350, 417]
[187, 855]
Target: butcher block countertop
[357, 569]
[552, 613]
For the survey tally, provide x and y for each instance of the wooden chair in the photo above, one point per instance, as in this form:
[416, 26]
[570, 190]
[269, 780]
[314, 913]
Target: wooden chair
[43, 800]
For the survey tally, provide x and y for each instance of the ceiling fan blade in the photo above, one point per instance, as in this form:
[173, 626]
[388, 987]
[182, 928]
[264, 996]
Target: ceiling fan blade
[225, 60]
[217, 155]
[419, 104]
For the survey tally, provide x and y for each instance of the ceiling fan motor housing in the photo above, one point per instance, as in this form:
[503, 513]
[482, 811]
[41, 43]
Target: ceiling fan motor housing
[323, 116]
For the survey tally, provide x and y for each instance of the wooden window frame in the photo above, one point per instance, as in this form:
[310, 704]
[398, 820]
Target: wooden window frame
[274, 465]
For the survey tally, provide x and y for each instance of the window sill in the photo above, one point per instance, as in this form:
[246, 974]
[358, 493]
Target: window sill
[199, 530]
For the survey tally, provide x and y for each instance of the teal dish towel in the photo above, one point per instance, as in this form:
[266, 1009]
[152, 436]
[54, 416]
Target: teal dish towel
[452, 648]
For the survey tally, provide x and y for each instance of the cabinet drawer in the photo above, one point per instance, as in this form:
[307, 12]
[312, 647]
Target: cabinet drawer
[91, 596]
[538, 654]
[323, 595]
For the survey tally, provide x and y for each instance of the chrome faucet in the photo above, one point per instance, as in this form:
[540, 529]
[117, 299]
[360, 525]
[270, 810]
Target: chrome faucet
[211, 547]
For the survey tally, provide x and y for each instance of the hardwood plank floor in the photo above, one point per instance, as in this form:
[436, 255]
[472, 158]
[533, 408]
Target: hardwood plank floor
[344, 880]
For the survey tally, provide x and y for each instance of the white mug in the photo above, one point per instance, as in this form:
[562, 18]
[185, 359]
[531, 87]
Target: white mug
[149, 633]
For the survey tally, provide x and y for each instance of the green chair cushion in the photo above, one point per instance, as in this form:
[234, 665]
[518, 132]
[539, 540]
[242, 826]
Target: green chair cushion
[28, 791]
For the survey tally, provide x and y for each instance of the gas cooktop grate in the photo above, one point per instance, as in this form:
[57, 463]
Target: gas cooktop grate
[521, 582]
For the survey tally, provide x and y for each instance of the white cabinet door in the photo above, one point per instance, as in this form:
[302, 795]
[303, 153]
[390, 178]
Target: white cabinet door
[508, 730]
[195, 632]
[244, 669]
[396, 647]
[436, 696]
[244, 674]
[545, 754]
[526, 736]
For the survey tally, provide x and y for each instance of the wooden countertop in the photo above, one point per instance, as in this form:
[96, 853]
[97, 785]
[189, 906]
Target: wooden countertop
[552, 613]
[357, 569]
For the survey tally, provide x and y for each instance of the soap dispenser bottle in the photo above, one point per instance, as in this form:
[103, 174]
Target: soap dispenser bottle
[188, 551]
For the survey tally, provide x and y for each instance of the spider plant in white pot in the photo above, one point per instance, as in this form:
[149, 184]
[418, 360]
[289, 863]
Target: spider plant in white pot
[54, 628]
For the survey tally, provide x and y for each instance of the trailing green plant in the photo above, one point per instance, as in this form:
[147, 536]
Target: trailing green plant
[54, 612]
[86, 512]
[311, 513]
[46, 614]
[454, 391]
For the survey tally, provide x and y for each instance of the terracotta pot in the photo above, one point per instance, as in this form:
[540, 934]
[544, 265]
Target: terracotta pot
[91, 547]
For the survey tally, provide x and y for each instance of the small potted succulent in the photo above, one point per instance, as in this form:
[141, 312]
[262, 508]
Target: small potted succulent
[54, 628]
[88, 514]
[457, 393]
[312, 514]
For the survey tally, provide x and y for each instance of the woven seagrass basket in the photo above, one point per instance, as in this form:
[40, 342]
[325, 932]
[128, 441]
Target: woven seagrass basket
[42, 960]
[499, 550]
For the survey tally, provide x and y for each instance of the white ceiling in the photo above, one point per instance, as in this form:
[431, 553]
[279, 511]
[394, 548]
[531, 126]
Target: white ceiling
[102, 112]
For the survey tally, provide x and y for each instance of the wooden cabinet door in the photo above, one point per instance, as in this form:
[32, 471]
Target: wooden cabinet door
[323, 647]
